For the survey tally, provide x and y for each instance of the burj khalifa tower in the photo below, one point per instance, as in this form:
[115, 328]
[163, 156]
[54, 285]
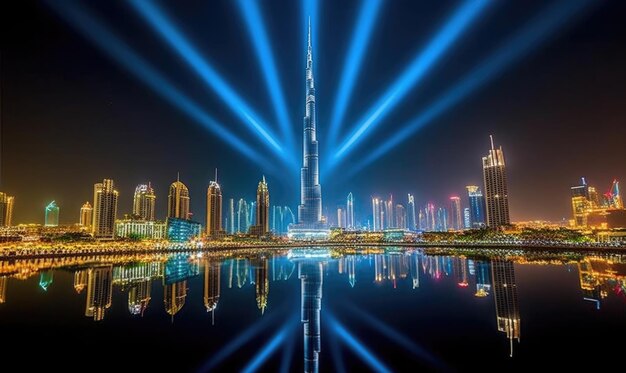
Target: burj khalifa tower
[310, 208]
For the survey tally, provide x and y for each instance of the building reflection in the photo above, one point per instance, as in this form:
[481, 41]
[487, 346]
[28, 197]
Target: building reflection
[505, 298]
[99, 291]
[262, 284]
[310, 273]
[174, 297]
[483, 278]
[241, 268]
[45, 280]
[599, 277]
[80, 280]
[3, 289]
[212, 271]
[139, 297]
[414, 265]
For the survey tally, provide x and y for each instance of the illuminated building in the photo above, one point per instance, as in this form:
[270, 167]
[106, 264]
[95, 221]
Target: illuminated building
[51, 217]
[46, 279]
[400, 215]
[421, 220]
[581, 203]
[153, 230]
[588, 213]
[3, 289]
[389, 221]
[613, 197]
[341, 217]
[429, 212]
[262, 284]
[377, 214]
[139, 297]
[350, 212]
[442, 220]
[104, 209]
[86, 215]
[242, 216]
[212, 270]
[174, 297]
[311, 277]
[80, 280]
[411, 220]
[214, 209]
[282, 218]
[466, 218]
[476, 206]
[178, 200]
[182, 230]
[496, 190]
[231, 216]
[99, 292]
[456, 220]
[6, 210]
[251, 214]
[505, 297]
[262, 208]
[483, 278]
[144, 202]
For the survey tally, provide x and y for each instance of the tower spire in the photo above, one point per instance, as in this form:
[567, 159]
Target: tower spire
[178, 176]
[309, 37]
[216, 174]
[491, 139]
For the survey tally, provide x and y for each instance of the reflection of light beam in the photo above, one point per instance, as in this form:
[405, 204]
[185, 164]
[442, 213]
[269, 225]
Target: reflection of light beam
[97, 32]
[393, 335]
[285, 365]
[352, 64]
[424, 60]
[265, 57]
[150, 12]
[267, 351]
[356, 346]
[337, 358]
[513, 49]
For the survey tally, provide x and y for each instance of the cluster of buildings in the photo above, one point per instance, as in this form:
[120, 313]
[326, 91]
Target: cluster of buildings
[593, 211]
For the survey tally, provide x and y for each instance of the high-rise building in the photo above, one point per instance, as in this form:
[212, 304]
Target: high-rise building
[614, 197]
[411, 219]
[86, 215]
[310, 209]
[242, 216]
[263, 207]
[389, 221]
[104, 209]
[51, 215]
[182, 230]
[431, 219]
[377, 214]
[144, 202]
[6, 210]
[456, 218]
[178, 201]
[231, 216]
[505, 297]
[496, 190]
[99, 292]
[214, 209]
[442, 220]
[400, 214]
[341, 217]
[476, 206]
[350, 212]
[581, 204]
[143, 229]
[467, 222]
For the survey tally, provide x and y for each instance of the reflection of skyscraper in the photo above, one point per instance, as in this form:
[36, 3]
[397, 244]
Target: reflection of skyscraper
[6, 210]
[351, 269]
[51, 215]
[350, 211]
[476, 206]
[242, 272]
[262, 283]
[496, 191]
[178, 200]
[139, 297]
[45, 280]
[3, 289]
[144, 202]
[212, 271]
[104, 209]
[86, 215]
[80, 280]
[174, 297]
[505, 297]
[99, 292]
[460, 271]
[483, 278]
[414, 269]
[311, 276]
[411, 218]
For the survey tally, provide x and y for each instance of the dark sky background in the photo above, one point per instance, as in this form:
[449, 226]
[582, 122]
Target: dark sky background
[72, 116]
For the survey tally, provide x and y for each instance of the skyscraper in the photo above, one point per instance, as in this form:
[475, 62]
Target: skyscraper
[104, 209]
[496, 191]
[377, 213]
[242, 216]
[431, 224]
[231, 216]
[442, 220]
[144, 202]
[456, 218]
[86, 215]
[6, 209]
[213, 208]
[613, 196]
[178, 200]
[310, 209]
[341, 217]
[476, 206]
[581, 203]
[505, 297]
[263, 207]
[350, 211]
[400, 215]
[411, 221]
[389, 221]
[51, 215]
[467, 222]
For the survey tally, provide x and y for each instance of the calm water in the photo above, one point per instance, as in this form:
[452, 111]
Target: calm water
[394, 311]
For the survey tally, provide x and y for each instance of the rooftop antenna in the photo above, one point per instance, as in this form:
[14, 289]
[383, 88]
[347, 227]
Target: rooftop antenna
[491, 139]
[178, 176]
[216, 174]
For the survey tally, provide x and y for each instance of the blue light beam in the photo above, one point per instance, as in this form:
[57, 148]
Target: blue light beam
[160, 23]
[514, 48]
[258, 36]
[352, 65]
[356, 346]
[417, 69]
[118, 51]
[267, 351]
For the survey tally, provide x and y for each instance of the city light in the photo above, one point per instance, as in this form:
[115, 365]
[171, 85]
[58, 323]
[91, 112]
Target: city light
[419, 66]
[161, 24]
[268, 350]
[260, 41]
[532, 35]
[370, 9]
[96, 31]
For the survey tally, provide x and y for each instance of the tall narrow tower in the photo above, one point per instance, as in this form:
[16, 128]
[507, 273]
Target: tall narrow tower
[214, 208]
[104, 209]
[263, 207]
[496, 191]
[310, 209]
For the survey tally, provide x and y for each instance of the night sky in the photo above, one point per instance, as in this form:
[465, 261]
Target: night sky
[72, 115]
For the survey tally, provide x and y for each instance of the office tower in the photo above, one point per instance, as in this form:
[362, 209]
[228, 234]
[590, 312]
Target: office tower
[262, 283]
[51, 215]
[350, 212]
[389, 221]
[496, 191]
[178, 200]
[400, 214]
[231, 216]
[144, 202]
[6, 210]
[613, 196]
[442, 220]
[411, 220]
[242, 216]
[311, 277]
[213, 209]
[174, 296]
[86, 215]
[139, 297]
[456, 220]
[421, 220]
[377, 214]
[476, 205]
[80, 280]
[505, 297]
[104, 209]
[581, 204]
[251, 214]
[144, 229]
[341, 217]
[99, 292]
[212, 271]
[467, 222]
[181, 230]
[431, 220]
[310, 209]
[263, 207]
